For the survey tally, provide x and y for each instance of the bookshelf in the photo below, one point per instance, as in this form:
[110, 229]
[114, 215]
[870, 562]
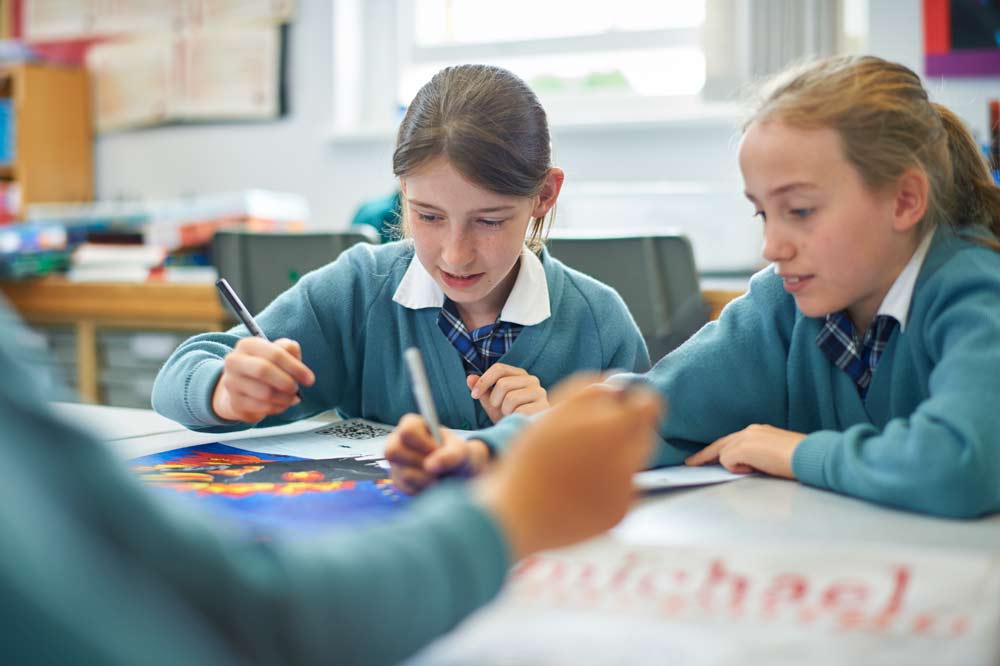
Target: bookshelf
[51, 136]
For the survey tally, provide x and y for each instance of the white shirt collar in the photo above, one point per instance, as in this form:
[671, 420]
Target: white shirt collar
[527, 304]
[897, 300]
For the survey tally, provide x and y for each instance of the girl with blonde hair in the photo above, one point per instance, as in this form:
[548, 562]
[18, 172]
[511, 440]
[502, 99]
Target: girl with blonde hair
[865, 358]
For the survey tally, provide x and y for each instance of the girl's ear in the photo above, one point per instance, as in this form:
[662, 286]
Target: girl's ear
[549, 193]
[402, 185]
[910, 202]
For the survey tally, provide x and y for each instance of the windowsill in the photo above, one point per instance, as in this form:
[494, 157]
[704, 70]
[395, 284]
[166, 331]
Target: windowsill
[682, 117]
[717, 115]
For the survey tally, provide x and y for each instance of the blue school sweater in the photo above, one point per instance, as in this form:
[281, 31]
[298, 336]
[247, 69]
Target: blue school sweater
[353, 336]
[927, 435]
[96, 570]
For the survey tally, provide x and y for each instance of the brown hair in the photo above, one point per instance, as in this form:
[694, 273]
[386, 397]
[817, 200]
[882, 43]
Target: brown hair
[887, 124]
[491, 127]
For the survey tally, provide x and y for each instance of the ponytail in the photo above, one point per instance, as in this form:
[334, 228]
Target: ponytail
[974, 198]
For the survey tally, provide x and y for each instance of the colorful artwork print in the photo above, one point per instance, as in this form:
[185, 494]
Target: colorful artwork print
[274, 492]
[961, 37]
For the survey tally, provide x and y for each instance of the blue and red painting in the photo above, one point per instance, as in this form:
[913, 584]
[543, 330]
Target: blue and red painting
[274, 493]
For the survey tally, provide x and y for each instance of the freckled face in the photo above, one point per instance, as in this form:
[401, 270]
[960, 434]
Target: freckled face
[828, 235]
[468, 238]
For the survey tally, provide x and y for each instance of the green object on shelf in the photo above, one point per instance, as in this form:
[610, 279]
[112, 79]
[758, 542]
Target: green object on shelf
[33, 264]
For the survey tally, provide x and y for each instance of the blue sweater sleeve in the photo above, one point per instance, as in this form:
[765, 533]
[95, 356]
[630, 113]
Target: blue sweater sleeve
[731, 373]
[944, 458]
[324, 312]
[623, 344]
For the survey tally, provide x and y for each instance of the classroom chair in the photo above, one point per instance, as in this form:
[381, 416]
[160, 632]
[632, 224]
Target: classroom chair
[261, 265]
[655, 276]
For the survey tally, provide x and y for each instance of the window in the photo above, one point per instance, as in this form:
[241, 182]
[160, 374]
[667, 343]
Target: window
[571, 53]
[590, 63]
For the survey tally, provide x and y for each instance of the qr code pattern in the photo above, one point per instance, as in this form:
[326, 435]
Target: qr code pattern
[353, 429]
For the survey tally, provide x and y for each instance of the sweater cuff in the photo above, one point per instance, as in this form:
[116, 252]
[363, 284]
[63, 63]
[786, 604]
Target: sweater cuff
[809, 459]
[498, 437]
[198, 390]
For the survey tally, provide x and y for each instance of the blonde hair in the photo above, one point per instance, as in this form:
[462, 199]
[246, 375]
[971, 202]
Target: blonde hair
[490, 125]
[887, 125]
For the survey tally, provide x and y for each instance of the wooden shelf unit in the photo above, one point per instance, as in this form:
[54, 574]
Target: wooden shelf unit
[53, 135]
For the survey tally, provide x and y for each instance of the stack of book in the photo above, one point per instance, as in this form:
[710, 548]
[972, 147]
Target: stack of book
[106, 262]
[174, 232]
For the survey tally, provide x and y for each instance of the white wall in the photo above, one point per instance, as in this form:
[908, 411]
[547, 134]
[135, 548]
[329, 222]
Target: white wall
[290, 154]
[297, 154]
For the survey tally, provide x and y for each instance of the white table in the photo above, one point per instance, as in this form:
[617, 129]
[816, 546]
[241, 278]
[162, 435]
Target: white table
[760, 525]
[768, 510]
[132, 433]
[757, 509]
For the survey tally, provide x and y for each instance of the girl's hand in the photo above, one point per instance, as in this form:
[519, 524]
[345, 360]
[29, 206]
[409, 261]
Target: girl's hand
[761, 448]
[417, 461]
[504, 389]
[260, 378]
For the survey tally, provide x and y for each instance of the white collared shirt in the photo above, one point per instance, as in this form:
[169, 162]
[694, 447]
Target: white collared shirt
[897, 300]
[527, 304]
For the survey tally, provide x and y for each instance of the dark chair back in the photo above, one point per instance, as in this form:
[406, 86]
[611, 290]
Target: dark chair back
[261, 265]
[655, 276]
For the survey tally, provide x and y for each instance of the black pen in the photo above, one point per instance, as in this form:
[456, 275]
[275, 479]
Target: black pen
[241, 311]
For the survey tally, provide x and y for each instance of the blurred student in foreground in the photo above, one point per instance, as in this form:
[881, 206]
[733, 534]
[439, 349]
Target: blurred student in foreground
[96, 570]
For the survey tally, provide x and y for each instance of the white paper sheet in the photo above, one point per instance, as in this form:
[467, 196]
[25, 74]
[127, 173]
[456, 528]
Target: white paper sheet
[350, 438]
[682, 475]
[610, 603]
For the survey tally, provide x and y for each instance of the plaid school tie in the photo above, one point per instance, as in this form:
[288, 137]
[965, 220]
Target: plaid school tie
[838, 340]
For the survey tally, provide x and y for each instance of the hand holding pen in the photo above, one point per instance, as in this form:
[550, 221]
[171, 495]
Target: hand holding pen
[419, 450]
[260, 377]
[567, 476]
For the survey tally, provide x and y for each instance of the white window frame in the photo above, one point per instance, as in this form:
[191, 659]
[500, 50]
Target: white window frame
[743, 40]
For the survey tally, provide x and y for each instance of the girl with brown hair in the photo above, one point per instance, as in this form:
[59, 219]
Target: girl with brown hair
[499, 321]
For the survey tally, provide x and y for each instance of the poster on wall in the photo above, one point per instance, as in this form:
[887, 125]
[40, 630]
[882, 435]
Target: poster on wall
[155, 62]
[962, 37]
[219, 74]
